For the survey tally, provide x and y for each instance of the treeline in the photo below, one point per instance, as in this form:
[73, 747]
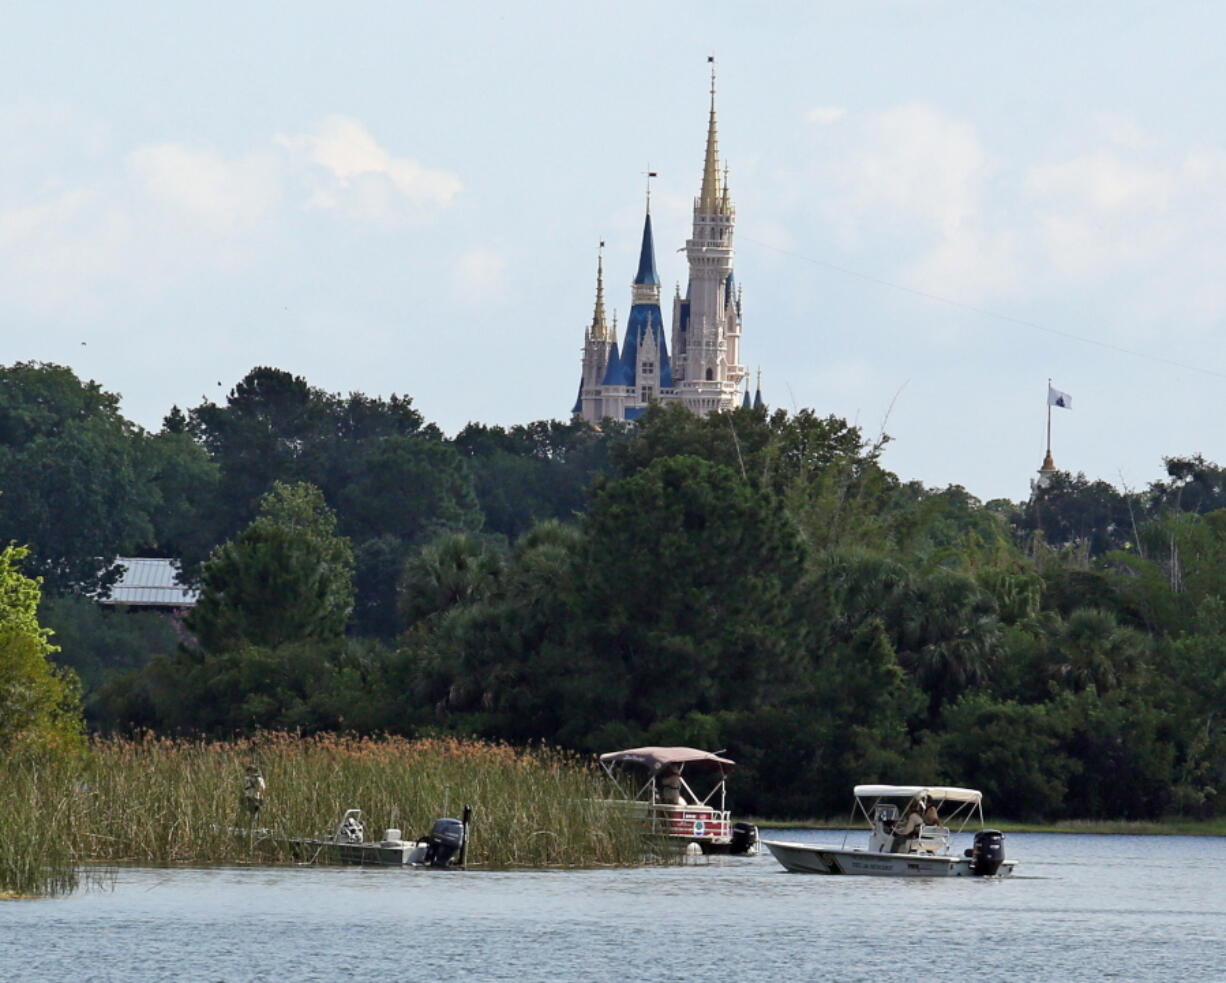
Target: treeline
[751, 581]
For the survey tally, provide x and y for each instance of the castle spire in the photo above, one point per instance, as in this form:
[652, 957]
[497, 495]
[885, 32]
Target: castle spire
[647, 275]
[710, 195]
[599, 330]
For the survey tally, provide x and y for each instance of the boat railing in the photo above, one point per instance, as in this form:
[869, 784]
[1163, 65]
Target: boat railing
[691, 821]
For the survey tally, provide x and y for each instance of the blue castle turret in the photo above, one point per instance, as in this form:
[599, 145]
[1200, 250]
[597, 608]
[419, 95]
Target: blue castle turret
[641, 372]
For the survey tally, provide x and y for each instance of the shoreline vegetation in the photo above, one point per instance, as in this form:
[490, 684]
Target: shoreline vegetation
[1100, 827]
[158, 801]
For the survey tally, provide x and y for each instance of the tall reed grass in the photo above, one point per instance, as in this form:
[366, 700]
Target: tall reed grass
[163, 801]
[36, 856]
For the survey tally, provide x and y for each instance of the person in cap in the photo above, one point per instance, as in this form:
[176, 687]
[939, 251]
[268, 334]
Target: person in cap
[253, 793]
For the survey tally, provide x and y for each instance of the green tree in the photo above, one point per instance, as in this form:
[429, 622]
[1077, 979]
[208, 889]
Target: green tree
[688, 589]
[539, 471]
[1074, 511]
[96, 642]
[39, 705]
[275, 426]
[455, 569]
[410, 488]
[71, 482]
[287, 577]
[1012, 752]
[186, 524]
[1092, 650]
[1195, 485]
[500, 638]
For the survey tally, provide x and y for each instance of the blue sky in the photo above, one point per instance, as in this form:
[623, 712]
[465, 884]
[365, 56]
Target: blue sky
[940, 205]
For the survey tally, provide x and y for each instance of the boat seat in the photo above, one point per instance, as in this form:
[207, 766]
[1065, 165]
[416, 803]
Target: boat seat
[932, 839]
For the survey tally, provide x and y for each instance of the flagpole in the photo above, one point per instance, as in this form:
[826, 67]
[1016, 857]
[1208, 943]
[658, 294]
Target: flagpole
[1049, 418]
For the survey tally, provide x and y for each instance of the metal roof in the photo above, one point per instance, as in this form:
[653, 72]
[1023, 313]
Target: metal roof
[150, 581]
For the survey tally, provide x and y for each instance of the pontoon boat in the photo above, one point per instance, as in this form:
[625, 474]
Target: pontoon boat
[668, 803]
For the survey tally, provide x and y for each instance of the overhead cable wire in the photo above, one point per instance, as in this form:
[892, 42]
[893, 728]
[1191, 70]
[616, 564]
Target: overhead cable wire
[983, 311]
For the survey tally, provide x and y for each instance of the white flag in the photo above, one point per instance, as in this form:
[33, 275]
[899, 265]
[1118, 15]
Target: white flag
[1056, 398]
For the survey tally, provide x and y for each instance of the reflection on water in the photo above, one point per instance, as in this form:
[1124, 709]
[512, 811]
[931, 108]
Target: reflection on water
[1080, 908]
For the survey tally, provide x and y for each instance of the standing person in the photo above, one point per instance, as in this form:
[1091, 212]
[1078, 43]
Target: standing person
[670, 786]
[253, 793]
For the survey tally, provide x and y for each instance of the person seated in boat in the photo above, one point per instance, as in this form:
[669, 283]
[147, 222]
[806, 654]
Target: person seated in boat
[669, 784]
[931, 816]
[908, 830]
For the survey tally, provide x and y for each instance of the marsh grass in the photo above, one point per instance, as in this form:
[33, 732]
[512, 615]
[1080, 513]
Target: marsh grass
[160, 801]
[35, 852]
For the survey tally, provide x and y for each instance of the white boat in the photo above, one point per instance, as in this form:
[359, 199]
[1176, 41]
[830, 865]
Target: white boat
[924, 851]
[668, 804]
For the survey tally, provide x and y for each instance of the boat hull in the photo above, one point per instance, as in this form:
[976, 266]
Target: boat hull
[808, 858]
[392, 853]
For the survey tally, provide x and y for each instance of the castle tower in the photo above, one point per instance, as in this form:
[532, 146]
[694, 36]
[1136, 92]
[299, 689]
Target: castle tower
[705, 373]
[707, 322]
[641, 373]
[599, 348]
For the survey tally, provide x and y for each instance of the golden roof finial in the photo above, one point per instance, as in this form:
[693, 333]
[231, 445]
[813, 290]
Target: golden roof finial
[600, 331]
[709, 196]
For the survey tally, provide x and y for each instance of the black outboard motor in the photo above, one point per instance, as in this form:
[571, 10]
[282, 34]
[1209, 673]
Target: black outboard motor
[744, 838]
[988, 853]
[444, 841]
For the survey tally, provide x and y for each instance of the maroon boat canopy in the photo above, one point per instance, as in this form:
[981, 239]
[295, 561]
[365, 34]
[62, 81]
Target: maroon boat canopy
[655, 758]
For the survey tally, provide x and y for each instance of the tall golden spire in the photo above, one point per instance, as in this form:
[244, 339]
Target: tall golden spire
[710, 195]
[599, 331]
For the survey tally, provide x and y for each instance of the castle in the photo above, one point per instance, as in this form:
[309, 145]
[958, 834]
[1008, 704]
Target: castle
[704, 372]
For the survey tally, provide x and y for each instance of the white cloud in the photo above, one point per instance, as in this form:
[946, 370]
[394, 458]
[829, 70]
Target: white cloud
[1121, 130]
[205, 188]
[1104, 183]
[479, 275]
[825, 115]
[919, 162]
[918, 197]
[354, 175]
[915, 181]
[55, 249]
[148, 218]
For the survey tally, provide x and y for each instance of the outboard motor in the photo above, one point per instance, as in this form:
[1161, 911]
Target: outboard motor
[988, 853]
[744, 838]
[444, 841]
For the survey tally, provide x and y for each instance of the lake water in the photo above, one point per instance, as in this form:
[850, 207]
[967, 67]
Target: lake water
[1080, 908]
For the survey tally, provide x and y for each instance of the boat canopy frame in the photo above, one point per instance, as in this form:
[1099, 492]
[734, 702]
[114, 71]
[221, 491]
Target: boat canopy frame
[656, 759]
[969, 802]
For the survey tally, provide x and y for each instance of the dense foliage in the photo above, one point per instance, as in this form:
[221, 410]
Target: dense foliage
[751, 581]
[38, 702]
